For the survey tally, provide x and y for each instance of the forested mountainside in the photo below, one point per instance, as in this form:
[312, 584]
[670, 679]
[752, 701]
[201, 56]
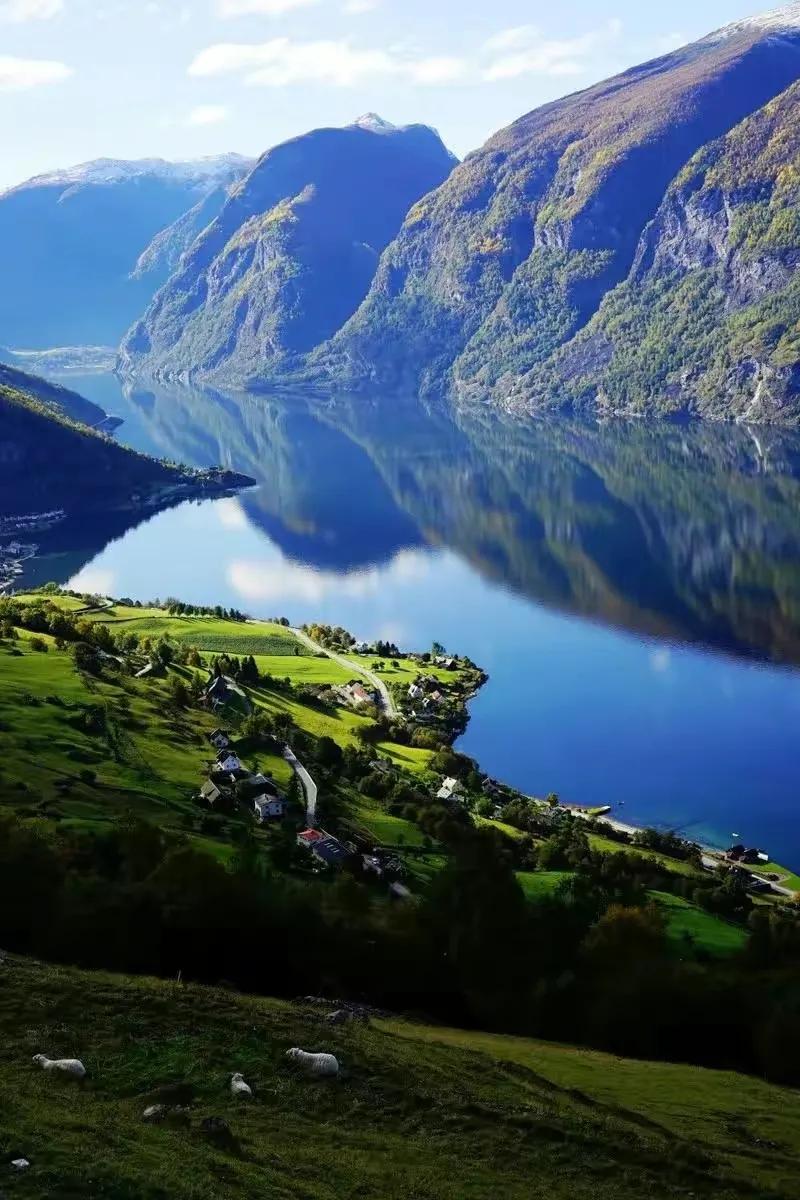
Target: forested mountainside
[514, 254]
[709, 320]
[63, 401]
[291, 255]
[50, 461]
[70, 243]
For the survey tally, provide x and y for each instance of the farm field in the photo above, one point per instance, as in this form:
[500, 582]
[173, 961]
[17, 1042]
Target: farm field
[422, 1111]
[536, 884]
[709, 932]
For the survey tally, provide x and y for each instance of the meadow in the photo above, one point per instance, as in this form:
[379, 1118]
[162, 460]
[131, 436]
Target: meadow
[419, 1111]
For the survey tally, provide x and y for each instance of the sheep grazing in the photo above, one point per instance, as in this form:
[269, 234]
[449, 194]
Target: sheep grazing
[73, 1068]
[319, 1065]
[239, 1089]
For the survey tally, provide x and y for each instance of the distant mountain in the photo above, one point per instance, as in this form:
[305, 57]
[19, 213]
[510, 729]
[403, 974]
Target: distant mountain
[72, 245]
[513, 255]
[292, 253]
[52, 461]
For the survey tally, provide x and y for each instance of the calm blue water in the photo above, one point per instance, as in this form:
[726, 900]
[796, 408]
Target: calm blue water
[633, 592]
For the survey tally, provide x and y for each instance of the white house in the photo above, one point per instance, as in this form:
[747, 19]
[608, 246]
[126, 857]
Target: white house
[415, 691]
[230, 764]
[269, 807]
[450, 790]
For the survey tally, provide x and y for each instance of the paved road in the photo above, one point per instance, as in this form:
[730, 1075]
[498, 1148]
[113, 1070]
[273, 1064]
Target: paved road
[308, 785]
[387, 702]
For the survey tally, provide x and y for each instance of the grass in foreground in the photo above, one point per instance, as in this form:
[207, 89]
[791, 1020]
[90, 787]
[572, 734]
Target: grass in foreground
[419, 1112]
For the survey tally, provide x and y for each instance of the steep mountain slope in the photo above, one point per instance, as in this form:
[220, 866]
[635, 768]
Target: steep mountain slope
[70, 241]
[709, 320]
[49, 461]
[418, 1111]
[515, 252]
[292, 253]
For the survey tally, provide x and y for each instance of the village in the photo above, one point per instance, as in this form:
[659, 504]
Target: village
[16, 552]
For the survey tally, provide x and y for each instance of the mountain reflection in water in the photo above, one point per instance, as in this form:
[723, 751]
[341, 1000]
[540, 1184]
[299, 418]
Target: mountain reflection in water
[631, 587]
[686, 532]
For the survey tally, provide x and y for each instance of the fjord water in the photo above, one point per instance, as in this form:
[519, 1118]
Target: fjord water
[632, 589]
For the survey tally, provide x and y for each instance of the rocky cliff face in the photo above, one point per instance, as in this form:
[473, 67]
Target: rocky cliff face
[514, 254]
[70, 243]
[291, 255]
[709, 321]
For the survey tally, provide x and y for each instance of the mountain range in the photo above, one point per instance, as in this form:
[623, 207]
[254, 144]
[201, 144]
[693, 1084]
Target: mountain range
[563, 262]
[83, 250]
[629, 249]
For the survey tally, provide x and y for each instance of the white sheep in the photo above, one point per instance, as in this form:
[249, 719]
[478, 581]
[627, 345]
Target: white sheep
[239, 1089]
[319, 1065]
[71, 1067]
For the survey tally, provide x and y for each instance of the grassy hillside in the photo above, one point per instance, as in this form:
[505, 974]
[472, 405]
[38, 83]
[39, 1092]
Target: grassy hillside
[423, 1112]
[146, 756]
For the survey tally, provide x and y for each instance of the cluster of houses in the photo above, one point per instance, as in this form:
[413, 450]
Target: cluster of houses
[230, 780]
[329, 851]
[440, 660]
[741, 855]
[355, 695]
[427, 694]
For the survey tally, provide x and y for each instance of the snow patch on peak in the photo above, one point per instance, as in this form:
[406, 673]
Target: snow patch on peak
[374, 123]
[777, 19]
[100, 171]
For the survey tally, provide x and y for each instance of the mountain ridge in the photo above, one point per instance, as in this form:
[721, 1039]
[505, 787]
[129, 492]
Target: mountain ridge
[291, 253]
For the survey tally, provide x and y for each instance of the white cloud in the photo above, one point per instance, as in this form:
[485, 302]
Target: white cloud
[19, 11]
[230, 514]
[660, 661]
[280, 580]
[208, 114]
[437, 70]
[354, 8]
[264, 8]
[21, 74]
[94, 581]
[524, 51]
[281, 62]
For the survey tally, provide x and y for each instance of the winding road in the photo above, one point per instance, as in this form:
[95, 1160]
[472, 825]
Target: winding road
[307, 783]
[387, 702]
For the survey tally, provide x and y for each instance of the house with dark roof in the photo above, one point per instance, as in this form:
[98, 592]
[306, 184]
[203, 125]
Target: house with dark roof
[269, 808]
[326, 849]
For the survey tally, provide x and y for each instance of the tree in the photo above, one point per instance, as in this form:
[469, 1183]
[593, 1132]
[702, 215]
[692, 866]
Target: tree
[626, 937]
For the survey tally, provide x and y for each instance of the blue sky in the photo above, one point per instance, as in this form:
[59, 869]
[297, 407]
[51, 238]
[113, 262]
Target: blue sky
[82, 79]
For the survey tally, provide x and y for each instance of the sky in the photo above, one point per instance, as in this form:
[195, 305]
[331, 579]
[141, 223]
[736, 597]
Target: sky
[84, 79]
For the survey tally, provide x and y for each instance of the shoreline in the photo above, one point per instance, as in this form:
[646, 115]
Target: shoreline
[711, 856]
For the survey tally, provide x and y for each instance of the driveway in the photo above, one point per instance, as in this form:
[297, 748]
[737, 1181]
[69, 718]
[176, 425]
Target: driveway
[307, 783]
[387, 702]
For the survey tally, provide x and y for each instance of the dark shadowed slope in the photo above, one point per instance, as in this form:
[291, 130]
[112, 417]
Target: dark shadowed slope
[291, 255]
[50, 461]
